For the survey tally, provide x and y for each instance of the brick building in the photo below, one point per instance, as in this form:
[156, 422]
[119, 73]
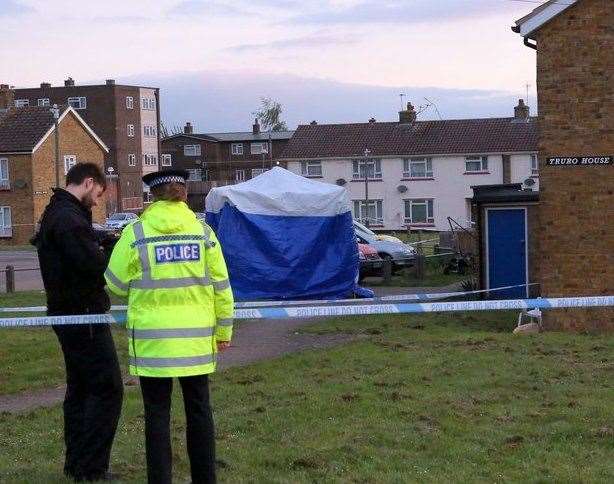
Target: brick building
[125, 117]
[217, 159]
[28, 168]
[575, 77]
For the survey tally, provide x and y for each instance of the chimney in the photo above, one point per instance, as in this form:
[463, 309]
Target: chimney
[372, 120]
[110, 82]
[256, 127]
[45, 85]
[522, 111]
[408, 116]
[7, 96]
[188, 129]
[69, 82]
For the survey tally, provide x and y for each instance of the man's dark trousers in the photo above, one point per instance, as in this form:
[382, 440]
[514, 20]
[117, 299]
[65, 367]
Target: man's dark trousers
[200, 435]
[93, 399]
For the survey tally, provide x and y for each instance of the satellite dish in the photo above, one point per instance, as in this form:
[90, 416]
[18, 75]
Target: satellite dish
[401, 189]
[529, 182]
[341, 182]
[20, 183]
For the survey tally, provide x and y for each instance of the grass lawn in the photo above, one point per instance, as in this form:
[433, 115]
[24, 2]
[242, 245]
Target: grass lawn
[433, 398]
[11, 248]
[31, 359]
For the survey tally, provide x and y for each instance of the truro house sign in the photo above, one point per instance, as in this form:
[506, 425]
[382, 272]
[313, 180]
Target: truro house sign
[579, 160]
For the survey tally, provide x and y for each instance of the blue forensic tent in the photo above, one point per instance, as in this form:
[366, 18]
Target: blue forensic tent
[285, 237]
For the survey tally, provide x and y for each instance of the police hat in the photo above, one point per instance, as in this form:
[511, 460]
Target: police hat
[166, 176]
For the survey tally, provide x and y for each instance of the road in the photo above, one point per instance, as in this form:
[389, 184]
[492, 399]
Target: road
[24, 280]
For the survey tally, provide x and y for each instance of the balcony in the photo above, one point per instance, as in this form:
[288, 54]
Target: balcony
[6, 232]
[5, 185]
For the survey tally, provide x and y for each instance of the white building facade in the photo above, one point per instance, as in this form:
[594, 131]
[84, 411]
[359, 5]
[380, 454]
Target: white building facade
[416, 190]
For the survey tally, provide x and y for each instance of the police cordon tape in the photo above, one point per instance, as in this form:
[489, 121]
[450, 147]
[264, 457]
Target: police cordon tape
[332, 311]
[310, 302]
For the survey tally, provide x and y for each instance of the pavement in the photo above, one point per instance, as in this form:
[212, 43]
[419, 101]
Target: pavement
[25, 280]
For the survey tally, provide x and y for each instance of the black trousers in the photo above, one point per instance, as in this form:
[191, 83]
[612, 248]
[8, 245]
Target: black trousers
[93, 401]
[200, 435]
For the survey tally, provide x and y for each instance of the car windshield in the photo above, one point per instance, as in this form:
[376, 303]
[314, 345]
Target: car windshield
[364, 229]
[118, 216]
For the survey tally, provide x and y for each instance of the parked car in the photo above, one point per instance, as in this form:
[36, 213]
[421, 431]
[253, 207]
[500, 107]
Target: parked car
[370, 262]
[362, 229]
[401, 255]
[118, 221]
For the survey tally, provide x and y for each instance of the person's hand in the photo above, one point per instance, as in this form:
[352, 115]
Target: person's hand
[223, 345]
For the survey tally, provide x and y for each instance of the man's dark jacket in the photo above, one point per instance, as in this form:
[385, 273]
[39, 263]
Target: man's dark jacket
[71, 260]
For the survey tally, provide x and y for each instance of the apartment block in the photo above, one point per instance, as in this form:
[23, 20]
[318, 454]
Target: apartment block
[126, 118]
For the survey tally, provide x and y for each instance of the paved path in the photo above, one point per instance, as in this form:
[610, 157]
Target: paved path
[24, 280]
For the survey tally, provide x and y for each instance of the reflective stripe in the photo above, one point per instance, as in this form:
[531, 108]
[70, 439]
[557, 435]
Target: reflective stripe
[179, 361]
[172, 333]
[207, 234]
[220, 285]
[225, 322]
[139, 233]
[170, 283]
[115, 280]
[167, 238]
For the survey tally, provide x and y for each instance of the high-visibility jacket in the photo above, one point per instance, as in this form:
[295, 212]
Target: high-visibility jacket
[180, 303]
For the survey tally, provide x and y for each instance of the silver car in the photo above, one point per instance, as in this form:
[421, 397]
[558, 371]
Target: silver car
[401, 255]
[118, 221]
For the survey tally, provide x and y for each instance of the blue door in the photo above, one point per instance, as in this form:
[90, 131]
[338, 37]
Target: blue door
[507, 253]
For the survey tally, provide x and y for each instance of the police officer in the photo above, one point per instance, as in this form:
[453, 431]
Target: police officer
[180, 309]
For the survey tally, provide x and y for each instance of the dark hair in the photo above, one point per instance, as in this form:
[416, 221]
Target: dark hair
[79, 172]
[171, 192]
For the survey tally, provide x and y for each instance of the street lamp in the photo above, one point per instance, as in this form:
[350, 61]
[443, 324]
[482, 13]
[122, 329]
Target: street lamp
[367, 154]
[56, 116]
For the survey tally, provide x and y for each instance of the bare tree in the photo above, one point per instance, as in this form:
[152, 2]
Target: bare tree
[269, 115]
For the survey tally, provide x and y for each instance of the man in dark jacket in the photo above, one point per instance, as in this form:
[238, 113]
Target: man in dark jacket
[72, 264]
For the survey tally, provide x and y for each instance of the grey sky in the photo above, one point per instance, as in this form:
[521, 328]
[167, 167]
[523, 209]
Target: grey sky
[422, 47]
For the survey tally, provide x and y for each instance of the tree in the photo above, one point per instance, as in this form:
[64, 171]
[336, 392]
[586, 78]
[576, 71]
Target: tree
[269, 115]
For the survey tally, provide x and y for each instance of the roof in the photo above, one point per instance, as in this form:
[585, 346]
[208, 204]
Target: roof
[543, 14]
[510, 192]
[463, 136]
[236, 136]
[25, 129]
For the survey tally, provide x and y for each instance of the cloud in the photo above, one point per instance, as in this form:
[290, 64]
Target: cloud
[401, 12]
[129, 19]
[13, 7]
[306, 42]
[224, 100]
[204, 7]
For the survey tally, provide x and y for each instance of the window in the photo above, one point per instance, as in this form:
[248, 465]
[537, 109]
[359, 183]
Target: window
[311, 168]
[43, 102]
[69, 162]
[6, 227]
[418, 168]
[5, 183]
[239, 175]
[148, 104]
[150, 160]
[77, 102]
[195, 174]
[372, 167]
[257, 171]
[534, 165]
[149, 131]
[259, 148]
[131, 131]
[167, 160]
[419, 211]
[476, 164]
[373, 215]
[236, 149]
[191, 150]
[131, 160]
[22, 103]
[129, 102]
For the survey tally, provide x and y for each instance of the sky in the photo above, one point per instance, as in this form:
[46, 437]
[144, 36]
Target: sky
[325, 60]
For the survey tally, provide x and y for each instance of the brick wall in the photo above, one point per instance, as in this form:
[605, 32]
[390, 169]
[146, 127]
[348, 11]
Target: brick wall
[576, 108]
[19, 199]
